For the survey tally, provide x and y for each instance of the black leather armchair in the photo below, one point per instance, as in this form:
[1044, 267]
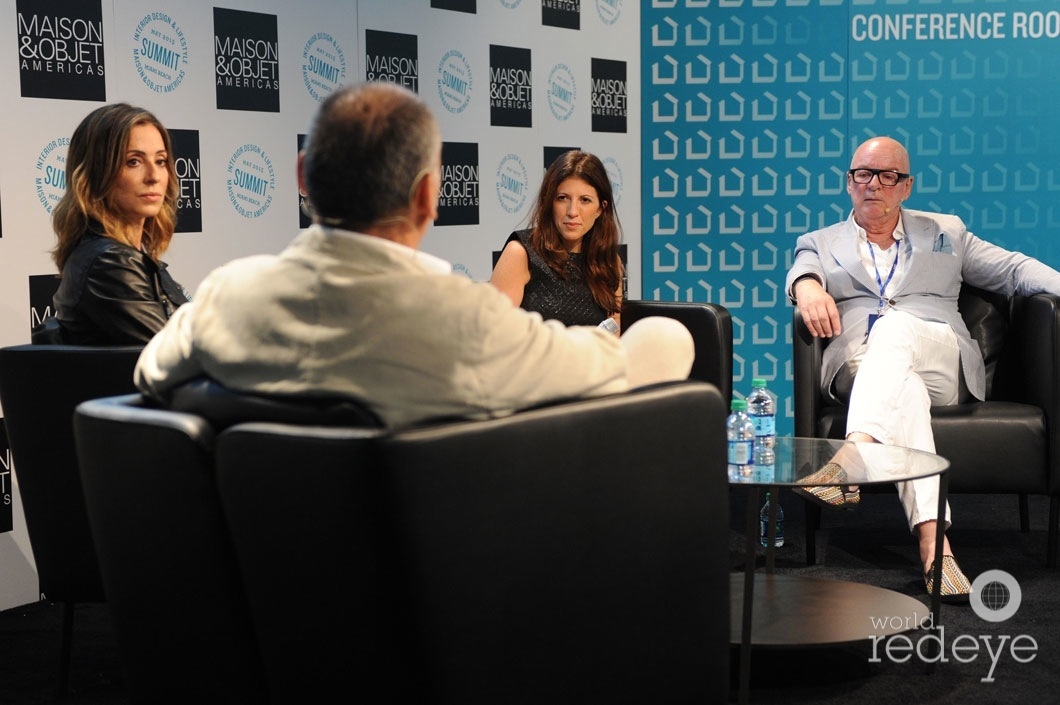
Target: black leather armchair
[39, 387]
[175, 592]
[1009, 443]
[568, 553]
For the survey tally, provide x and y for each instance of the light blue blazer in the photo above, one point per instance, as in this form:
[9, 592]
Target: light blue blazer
[938, 254]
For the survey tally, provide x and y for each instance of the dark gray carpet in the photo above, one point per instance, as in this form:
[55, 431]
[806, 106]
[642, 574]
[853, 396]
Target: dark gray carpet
[869, 545]
[873, 545]
[29, 656]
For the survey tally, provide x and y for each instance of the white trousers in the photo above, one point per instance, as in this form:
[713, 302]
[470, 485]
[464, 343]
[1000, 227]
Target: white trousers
[906, 366]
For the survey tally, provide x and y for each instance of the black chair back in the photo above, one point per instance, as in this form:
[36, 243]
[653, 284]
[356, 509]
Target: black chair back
[303, 508]
[566, 554]
[173, 585]
[40, 385]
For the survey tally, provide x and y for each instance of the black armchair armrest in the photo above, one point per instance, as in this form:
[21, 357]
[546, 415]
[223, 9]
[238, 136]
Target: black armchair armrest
[1036, 343]
[711, 329]
[224, 407]
[806, 363]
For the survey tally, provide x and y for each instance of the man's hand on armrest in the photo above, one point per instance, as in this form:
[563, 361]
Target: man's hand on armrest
[817, 306]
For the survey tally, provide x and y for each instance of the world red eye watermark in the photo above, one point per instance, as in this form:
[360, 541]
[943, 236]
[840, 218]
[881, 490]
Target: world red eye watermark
[995, 597]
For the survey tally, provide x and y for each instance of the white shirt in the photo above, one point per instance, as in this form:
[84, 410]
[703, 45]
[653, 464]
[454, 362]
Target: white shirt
[344, 314]
[878, 261]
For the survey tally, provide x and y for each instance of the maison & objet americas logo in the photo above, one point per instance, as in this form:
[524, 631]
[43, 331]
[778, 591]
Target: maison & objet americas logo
[393, 58]
[60, 49]
[609, 96]
[458, 200]
[995, 597]
[561, 13]
[511, 87]
[6, 521]
[187, 164]
[246, 61]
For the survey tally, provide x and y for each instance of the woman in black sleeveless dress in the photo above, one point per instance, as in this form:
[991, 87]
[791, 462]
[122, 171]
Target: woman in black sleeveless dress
[566, 266]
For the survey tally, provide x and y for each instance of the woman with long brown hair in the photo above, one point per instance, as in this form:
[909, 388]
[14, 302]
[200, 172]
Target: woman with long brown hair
[113, 223]
[566, 266]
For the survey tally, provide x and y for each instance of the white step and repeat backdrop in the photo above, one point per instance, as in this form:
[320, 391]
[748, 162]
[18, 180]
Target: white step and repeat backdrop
[513, 82]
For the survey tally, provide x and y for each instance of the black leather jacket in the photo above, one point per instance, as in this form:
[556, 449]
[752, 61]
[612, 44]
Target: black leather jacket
[113, 294]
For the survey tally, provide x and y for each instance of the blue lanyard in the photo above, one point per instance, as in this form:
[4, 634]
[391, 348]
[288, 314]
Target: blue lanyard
[879, 282]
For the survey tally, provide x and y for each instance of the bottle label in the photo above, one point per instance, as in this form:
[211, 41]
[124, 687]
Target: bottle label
[765, 425]
[763, 532]
[740, 452]
[764, 473]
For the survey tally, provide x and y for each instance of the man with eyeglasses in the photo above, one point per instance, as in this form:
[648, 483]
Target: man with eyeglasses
[884, 284]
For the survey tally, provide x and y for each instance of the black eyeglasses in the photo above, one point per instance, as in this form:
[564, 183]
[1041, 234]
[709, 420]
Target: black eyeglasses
[887, 177]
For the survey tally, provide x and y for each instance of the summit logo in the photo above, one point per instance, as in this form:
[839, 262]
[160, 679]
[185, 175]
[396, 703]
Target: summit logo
[562, 92]
[513, 183]
[251, 181]
[323, 66]
[160, 52]
[455, 82]
[50, 182]
[610, 11]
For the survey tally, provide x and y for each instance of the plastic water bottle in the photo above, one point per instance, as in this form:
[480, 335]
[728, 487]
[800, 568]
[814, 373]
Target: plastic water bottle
[741, 434]
[763, 524]
[762, 408]
[765, 468]
[609, 324]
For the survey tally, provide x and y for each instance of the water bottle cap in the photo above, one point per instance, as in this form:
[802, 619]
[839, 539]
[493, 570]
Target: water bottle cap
[739, 405]
[758, 382]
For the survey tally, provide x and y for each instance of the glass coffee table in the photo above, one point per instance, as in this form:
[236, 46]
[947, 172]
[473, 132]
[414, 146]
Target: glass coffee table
[789, 610]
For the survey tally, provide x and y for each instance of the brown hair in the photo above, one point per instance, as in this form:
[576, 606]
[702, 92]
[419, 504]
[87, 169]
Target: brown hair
[94, 161]
[603, 268]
